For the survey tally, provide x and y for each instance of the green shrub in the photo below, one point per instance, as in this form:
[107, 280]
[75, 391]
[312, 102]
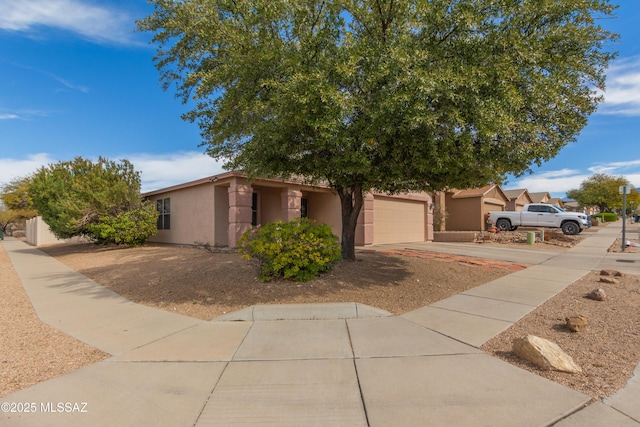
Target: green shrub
[606, 217]
[131, 228]
[299, 249]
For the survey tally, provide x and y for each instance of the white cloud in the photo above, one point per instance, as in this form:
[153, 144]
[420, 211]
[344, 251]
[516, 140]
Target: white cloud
[7, 114]
[615, 168]
[165, 170]
[157, 170]
[93, 22]
[555, 182]
[559, 182]
[18, 168]
[622, 95]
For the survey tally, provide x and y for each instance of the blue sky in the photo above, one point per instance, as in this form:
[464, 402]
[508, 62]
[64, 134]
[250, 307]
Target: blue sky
[76, 80]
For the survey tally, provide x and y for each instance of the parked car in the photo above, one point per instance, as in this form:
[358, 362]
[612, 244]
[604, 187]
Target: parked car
[540, 215]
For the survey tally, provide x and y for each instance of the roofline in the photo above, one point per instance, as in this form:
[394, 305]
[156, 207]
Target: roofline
[456, 195]
[224, 176]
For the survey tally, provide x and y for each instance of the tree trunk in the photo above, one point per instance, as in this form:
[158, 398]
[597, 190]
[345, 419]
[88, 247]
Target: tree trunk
[351, 201]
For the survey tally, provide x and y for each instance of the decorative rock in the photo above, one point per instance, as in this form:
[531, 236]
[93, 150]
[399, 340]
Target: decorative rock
[610, 273]
[609, 280]
[544, 354]
[597, 294]
[577, 323]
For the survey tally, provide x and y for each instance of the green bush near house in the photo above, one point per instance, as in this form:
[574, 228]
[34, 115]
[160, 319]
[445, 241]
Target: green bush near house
[606, 217]
[299, 249]
[131, 228]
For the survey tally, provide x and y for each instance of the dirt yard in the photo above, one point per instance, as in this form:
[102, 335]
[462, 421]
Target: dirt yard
[202, 284]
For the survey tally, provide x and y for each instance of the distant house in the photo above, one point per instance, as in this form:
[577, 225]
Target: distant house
[573, 206]
[541, 197]
[517, 199]
[466, 210]
[556, 201]
[218, 209]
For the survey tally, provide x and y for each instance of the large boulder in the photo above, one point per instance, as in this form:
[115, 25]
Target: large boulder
[544, 354]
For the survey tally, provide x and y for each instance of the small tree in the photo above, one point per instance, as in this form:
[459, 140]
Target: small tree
[602, 191]
[100, 199]
[16, 200]
[7, 217]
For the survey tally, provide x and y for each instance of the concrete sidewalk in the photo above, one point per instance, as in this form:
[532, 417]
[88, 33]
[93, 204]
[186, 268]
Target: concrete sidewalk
[356, 367]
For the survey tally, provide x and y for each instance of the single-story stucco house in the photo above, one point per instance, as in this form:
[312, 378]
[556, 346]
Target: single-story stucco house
[517, 199]
[216, 210]
[540, 197]
[466, 210]
[557, 201]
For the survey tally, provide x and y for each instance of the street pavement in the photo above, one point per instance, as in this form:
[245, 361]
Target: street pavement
[316, 365]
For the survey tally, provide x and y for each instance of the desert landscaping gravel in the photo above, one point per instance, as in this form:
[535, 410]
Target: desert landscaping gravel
[31, 351]
[195, 282]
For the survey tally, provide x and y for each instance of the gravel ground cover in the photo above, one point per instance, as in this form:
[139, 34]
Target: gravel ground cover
[202, 284]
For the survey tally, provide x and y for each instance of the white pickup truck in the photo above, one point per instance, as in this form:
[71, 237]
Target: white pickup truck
[540, 215]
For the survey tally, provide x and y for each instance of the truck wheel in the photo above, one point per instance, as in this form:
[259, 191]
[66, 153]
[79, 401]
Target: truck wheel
[503, 224]
[570, 228]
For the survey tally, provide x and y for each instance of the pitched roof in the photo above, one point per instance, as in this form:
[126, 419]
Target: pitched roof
[477, 192]
[538, 197]
[514, 194]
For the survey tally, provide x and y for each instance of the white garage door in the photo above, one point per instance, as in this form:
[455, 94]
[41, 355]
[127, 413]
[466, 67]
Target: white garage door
[397, 221]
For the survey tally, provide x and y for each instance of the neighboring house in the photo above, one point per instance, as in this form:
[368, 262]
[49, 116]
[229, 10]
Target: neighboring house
[218, 209]
[573, 206]
[556, 201]
[466, 210]
[517, 199]
[542, 197]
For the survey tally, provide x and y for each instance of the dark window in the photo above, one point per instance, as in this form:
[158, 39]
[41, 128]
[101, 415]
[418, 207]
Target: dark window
[163, 206]
[304, 208]
[254, 209]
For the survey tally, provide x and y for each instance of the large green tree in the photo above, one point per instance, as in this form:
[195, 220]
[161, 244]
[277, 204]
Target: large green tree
[386, 95]
[603, 191]
[99, 199]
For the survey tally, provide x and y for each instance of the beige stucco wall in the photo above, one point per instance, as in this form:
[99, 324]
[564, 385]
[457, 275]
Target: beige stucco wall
[221, 217]
[269, 204]
[192, 221]
[518, 203]
[38, 233]
[324, 207]
[217, 210]
[463, 214]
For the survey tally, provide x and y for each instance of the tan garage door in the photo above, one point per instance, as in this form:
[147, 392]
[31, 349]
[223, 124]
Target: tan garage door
[397, 221]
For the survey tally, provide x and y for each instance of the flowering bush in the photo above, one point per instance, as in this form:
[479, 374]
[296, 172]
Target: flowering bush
[299, 249]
